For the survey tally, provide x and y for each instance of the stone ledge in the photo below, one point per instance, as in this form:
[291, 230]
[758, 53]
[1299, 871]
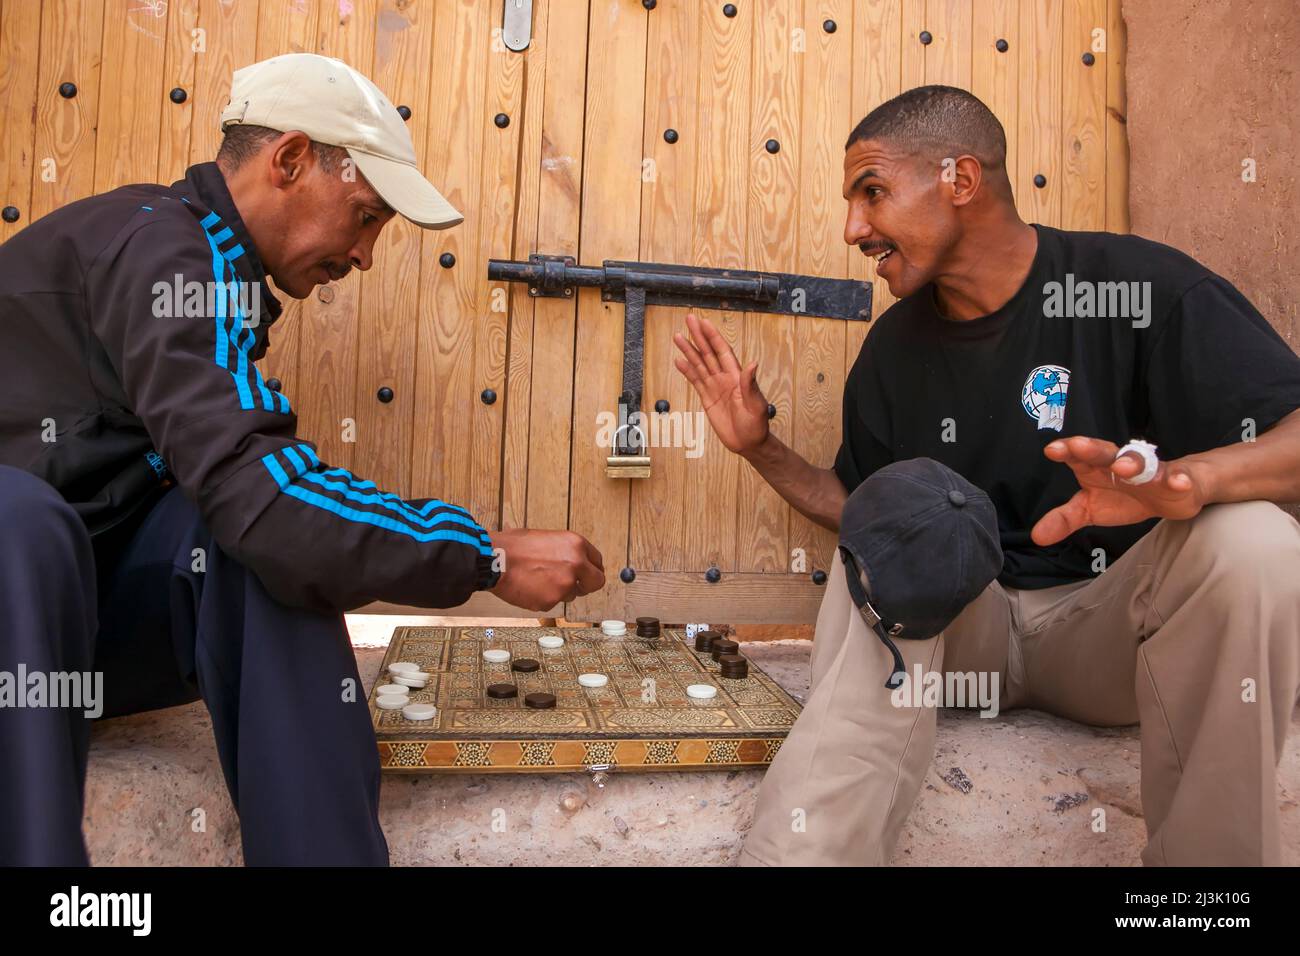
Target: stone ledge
[1025, 768]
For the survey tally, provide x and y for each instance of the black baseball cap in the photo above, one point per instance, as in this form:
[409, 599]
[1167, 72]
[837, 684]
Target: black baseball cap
[919, 543]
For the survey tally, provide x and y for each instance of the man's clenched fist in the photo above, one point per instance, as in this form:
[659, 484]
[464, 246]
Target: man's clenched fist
[544, 568]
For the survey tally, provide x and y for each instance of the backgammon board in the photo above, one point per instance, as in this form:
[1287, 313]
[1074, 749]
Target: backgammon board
[642, 719]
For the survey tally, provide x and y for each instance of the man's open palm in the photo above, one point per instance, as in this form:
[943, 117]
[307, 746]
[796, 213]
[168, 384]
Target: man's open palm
[730, 394]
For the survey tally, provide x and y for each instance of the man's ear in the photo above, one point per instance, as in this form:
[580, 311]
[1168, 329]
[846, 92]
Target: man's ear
[965, 174]
[289, 159]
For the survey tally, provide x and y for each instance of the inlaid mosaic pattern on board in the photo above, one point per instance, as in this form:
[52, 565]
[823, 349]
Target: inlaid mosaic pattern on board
[643, 713]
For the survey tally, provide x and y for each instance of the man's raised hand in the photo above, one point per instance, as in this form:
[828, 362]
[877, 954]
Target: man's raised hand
[730, 394]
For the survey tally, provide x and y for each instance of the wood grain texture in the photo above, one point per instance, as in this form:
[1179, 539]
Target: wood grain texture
[736, 598]
[500, 170]
[995, 74]
[611, 228]
[72, 33]
[1039, 134]
[913, 50]
[781, 40]
[132, 92]
[1117, 162]
[386, 327]
[521, 340]
[183, 40]
[20, 48]
[948, 57]
[582, 169]
[1083, 117]
[230, 37]
[657, 531]
[708, 493]
[559, 158]
[444, 462]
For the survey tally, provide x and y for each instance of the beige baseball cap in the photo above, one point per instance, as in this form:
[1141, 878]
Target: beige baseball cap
[337, 106]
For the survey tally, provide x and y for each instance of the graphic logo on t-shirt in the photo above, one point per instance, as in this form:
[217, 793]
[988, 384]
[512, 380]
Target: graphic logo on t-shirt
[1043, 396]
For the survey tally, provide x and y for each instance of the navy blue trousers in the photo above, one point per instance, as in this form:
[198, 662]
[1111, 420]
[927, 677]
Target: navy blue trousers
[168, 618]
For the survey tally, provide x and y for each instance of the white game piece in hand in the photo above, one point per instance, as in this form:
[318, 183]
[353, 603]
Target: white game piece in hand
[1150, 463]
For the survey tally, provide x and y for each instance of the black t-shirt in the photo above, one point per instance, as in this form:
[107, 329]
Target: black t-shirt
[985, 396]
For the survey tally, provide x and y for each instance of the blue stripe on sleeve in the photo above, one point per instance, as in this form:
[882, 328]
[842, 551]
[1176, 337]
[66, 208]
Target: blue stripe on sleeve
[299, 467]
[246, 368]
[398, 507]
[288, 487]
[379, 521]
[421, 512]
[245, 373]
[277, 472]
[368, 485]
[223, 340]
[360, 517]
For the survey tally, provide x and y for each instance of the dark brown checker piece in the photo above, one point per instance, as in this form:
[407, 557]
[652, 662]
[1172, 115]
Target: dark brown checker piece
[722, 646]
[641, 720]
[733, 665]
[525, 665]
[704, 640]
[540, 700]
[502, 691]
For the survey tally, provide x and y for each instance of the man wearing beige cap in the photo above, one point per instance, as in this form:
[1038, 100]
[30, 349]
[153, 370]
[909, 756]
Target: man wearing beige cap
[169, 536]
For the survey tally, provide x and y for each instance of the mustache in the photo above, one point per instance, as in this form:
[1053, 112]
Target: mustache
[337, 272]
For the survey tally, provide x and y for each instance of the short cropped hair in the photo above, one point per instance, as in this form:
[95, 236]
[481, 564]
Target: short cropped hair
[936, 122]
[241, 143]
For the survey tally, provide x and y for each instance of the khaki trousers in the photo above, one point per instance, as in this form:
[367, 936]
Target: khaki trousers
[1194, 633]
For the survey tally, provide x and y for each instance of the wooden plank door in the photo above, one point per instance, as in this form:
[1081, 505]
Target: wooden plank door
[761, 96]
[430, 380]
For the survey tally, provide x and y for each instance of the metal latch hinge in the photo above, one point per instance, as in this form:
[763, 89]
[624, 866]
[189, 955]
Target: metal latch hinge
[638, 284]
[517, 25]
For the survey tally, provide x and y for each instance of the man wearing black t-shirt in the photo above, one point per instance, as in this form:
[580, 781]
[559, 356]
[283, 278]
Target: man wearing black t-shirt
[1024, 357]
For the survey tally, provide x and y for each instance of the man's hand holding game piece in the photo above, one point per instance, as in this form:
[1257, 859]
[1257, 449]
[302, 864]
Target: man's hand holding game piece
[544, 568]
[1174, 492]
[730, 394]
